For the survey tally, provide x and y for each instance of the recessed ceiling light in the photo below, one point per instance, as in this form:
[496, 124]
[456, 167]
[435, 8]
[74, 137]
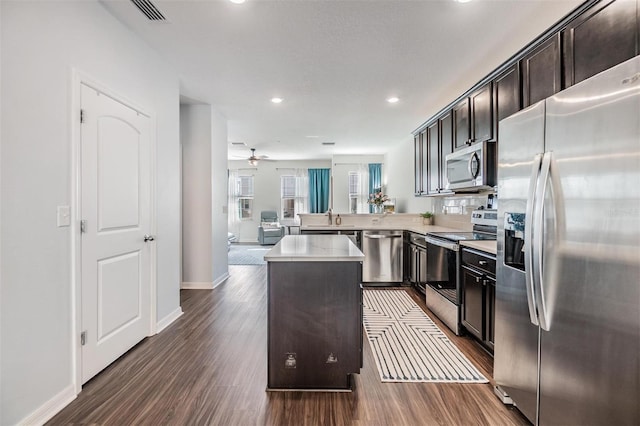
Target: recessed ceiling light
[276, 100]
[237, 1]
[462, 1]
[393, 100]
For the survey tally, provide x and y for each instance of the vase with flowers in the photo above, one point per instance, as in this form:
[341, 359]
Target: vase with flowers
[377, 200]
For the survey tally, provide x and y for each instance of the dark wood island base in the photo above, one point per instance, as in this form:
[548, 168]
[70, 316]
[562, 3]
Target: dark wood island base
[314, 324]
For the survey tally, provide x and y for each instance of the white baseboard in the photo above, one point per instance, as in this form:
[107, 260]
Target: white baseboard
[50, 408]
[169, 319]
[193, 285]
[221, 279]
[207, 285]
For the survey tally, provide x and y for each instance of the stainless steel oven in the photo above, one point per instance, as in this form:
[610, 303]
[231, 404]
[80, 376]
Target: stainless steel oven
[472, 168]
[443, 291]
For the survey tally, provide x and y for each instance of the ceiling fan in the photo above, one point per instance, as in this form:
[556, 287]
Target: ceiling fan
[253, 159]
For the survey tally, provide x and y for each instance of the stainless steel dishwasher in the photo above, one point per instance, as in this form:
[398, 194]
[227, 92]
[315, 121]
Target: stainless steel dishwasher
[382, 256]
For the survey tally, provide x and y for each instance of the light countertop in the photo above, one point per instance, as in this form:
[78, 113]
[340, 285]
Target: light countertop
[314, 248]
[418, 228]
[485, 246]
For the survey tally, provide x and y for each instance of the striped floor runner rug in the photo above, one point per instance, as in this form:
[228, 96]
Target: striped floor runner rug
[407, 344]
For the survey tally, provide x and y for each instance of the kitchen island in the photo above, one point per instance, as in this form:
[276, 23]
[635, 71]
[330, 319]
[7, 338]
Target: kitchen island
[314, 299]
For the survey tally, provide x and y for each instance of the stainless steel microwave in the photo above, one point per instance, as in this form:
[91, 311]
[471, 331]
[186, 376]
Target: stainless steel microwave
[472, 168]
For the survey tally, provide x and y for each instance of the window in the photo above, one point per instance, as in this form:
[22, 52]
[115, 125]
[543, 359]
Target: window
[293, 194]
[288, 195]
[245, 197]
[354, 191]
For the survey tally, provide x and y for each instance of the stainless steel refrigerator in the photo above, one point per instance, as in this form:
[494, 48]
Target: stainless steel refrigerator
[567, 344]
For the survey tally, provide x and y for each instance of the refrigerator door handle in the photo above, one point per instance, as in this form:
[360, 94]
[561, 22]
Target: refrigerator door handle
[538, 236]
[528, 237]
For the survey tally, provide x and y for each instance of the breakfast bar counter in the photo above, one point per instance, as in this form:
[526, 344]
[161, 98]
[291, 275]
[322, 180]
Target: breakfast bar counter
[314, 299]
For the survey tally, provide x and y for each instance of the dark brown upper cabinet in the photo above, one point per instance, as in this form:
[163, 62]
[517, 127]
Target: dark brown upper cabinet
[425, 161]
[481, 102]
[433, 162]
[446, 147]
[461, 125]
[542, 72]
[506, 89]
[417, 163]
[601, 38]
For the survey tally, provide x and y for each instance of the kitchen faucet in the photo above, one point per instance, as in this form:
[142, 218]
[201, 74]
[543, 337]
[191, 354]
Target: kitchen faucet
[330, 217]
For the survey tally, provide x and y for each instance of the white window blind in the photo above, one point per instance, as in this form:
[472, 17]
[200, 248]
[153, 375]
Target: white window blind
[245, 197]
[354, 184]
[293, 194]
[245, 186]
[288, 187]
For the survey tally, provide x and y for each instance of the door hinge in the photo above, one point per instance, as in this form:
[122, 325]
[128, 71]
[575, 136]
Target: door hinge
[81, 116]
[83, 226]
[83, 338]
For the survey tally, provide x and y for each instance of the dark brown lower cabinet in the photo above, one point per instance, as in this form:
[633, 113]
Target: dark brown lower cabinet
[490, 313]
[479, 284]
[314, 325]
[416, 261]
[473, 310]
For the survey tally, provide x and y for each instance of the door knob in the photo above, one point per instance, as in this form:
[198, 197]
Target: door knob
[148, 238]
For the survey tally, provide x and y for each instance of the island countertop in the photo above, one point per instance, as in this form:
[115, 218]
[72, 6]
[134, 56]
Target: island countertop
[314, 248]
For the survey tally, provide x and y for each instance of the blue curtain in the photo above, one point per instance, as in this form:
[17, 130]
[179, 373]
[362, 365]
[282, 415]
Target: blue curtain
[319, 182]
[375, 180]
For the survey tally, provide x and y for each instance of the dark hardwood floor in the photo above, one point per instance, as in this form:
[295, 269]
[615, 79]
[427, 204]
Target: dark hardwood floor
[210, 368]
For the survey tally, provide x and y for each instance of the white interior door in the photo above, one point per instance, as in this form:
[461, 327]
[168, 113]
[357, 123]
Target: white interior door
[115, 204]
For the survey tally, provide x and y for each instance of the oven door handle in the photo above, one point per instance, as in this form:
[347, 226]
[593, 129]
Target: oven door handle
[445, 244]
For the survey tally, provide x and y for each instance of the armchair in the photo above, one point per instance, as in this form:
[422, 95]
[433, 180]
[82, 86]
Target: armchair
[270, 231]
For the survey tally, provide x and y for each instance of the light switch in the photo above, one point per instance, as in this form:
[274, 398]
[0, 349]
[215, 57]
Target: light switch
[64, 216]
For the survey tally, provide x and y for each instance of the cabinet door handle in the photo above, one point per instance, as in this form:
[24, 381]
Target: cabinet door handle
[478, 279]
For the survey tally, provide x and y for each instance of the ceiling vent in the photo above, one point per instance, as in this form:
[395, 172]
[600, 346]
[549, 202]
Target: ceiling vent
[238, 144]
[149, 10]
[328, 143]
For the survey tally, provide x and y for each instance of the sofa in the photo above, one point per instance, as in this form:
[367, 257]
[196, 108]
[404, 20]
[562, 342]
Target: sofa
[270, 231]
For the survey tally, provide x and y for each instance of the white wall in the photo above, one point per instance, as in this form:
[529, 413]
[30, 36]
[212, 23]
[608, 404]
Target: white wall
[341, 166]
[195, 136]
[203, 134]
[267, 188]
[41, 43]
[219, 208]
[400, 180]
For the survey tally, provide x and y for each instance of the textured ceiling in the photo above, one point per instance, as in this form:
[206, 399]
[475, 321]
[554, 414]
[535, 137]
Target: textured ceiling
[334, 63]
